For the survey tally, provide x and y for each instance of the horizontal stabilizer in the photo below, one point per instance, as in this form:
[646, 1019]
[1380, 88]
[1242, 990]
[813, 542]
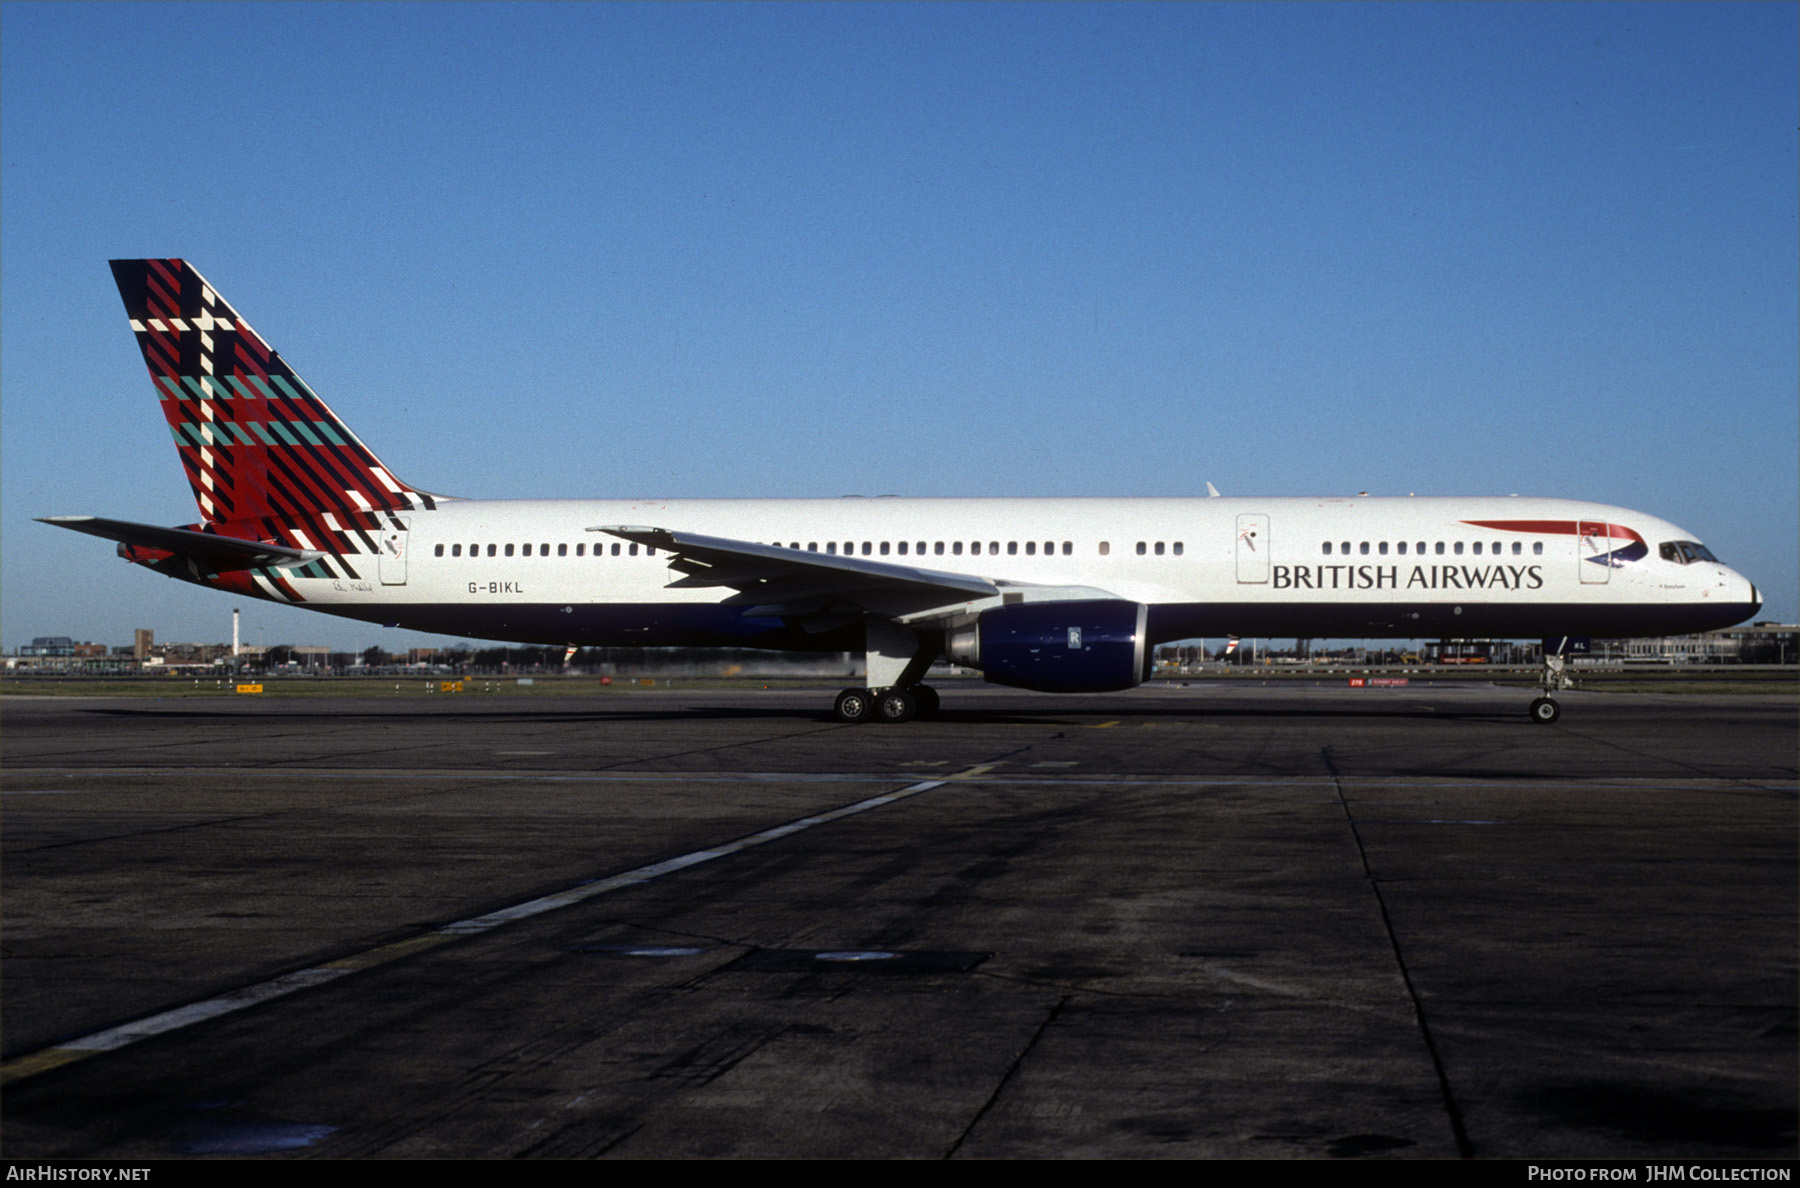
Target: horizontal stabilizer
[204, 548]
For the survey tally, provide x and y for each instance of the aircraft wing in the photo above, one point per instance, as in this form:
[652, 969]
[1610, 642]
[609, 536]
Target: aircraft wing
[218, 553]
[801, 584]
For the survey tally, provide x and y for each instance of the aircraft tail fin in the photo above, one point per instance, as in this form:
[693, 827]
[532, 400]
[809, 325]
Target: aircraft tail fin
[254, 439]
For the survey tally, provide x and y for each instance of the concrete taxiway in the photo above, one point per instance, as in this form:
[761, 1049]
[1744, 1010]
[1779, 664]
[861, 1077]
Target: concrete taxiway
[1218, 920]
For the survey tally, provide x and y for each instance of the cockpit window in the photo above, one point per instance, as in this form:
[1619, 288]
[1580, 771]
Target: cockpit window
[1685, 552]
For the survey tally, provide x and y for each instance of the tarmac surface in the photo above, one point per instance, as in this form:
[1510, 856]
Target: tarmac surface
[1216, 920]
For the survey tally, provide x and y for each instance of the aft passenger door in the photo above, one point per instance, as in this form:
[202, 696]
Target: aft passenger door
[393, 552]
[1252, 548]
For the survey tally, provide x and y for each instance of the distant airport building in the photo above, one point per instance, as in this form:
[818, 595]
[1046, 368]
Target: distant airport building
[62, 656]
[60, 645]
[1759, 643]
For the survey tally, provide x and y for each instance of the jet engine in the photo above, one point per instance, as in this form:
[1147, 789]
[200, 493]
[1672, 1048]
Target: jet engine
[1093, 646]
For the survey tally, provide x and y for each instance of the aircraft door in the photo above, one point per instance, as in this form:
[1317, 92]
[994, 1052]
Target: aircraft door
[1252, 548]
[1593, 541]
[393, 552]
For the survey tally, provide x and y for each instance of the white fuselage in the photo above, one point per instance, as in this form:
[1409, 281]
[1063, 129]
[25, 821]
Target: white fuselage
[531, 570]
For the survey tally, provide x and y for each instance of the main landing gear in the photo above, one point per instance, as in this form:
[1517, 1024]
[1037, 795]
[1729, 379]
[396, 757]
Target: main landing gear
[889, 705]
[897, 658]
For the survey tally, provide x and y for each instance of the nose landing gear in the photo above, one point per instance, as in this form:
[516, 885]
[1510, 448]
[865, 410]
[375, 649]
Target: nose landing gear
[1544, 710]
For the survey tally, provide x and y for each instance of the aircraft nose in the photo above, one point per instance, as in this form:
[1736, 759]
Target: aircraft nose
[1746, 591]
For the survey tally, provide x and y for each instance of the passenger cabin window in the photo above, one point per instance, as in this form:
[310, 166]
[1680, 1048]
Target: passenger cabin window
[1140, 548]
[956, 548]
[439, 552]
[1105, 548]
[509, 550]
[1477, 548]
[1458, 548]
[1440, 548]
[1382, 548]
[1327, 548]
[1363, 548]
[1178, 548]
[1159, 548]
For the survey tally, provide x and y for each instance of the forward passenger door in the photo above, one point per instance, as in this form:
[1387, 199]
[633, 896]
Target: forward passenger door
[1252, 548]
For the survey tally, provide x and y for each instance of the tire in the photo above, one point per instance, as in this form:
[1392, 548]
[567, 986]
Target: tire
[854, 706]
[1545, 711]
[895, 706]
[927, 699]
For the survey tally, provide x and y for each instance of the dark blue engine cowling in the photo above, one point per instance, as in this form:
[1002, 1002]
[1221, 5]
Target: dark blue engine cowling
[1059, 647]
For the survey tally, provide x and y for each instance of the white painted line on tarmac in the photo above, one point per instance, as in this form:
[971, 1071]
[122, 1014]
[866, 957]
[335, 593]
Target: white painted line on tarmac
[113, 1038]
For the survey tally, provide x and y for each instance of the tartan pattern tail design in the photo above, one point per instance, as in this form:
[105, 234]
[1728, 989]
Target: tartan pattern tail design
[256, 442]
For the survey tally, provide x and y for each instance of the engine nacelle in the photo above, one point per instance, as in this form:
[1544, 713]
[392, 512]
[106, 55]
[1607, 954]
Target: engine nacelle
[1095, 646]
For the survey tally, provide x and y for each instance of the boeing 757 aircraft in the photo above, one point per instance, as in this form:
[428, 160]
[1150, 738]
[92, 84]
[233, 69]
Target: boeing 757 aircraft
[1057, 595]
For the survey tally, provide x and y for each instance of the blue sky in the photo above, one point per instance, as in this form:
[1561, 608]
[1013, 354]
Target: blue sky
[759, 250]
